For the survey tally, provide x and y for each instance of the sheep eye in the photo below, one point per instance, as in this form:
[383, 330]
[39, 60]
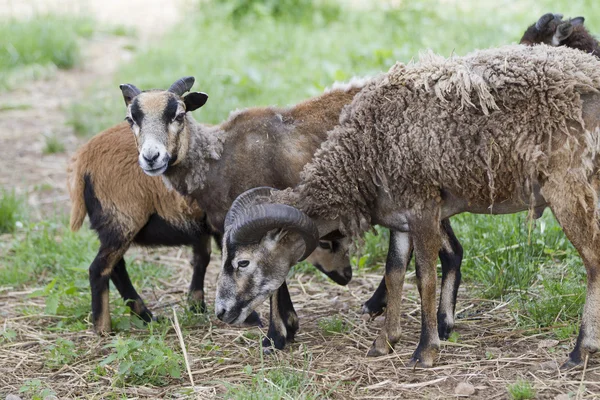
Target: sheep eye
[325, 245]
[179, 117]
[129, 121]
[243, 263]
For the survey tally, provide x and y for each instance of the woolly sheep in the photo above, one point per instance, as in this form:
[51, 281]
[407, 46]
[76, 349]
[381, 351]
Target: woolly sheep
[213, 164]
[497, 131]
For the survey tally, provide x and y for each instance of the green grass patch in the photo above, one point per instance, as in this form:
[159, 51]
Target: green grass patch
[29, 48]
[61, 352]
[277, 383]
[333, 325]
[521, 390]
[53, 145]
[11, 211]
[149, 361]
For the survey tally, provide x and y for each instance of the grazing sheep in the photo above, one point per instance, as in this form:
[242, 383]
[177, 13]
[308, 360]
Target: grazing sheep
[128, 207]
[214, 164]
[495, 132]
[550, 29]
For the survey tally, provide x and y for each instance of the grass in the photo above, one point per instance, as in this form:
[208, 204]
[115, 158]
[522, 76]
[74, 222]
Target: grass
[11, 211]
[333, 325]
[53, 145]
[521, 390]
[33, 47]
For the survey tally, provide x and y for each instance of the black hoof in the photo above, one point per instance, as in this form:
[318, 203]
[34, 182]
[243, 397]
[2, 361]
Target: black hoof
[197, 307]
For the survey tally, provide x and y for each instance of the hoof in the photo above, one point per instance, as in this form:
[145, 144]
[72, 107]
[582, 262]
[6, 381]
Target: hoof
[270, 345]
[372, 310]
[379, 350]
[570, 364]
[146, 316]
[253, 320]
[416, 363]
[444, 329]
[424, 358]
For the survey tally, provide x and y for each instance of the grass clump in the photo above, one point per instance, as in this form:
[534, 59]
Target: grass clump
[30, 47]
[53, 145]
[333, 325]
[61, 352]
[150, 361]
[11, 211]
[521, 390]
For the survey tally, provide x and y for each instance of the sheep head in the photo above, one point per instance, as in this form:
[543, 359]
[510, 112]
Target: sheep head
[261, 243]
[550, 29]
[158, 119]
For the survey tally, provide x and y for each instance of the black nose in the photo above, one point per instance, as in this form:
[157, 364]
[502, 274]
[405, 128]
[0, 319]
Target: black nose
[152, 158]
[220, 314]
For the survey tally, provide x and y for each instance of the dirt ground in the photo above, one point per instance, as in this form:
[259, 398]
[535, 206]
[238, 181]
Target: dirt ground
[490, 354]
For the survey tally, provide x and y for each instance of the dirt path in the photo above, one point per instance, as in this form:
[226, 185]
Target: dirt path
[40, 107]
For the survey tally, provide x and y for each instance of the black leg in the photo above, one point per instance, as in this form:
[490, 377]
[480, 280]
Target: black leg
[120, 278]
[200, 262]
[283, 321]
[451, 255]
[99, 273]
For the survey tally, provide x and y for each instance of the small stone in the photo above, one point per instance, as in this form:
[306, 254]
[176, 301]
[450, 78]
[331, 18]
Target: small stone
[12, 397]
[547, 343]
[562, 397]
[51, 397]
[365, 317]
[464, 389]
[551, 365]
[380, 320]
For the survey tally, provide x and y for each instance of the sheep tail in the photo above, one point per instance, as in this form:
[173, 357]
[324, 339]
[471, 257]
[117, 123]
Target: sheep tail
[76, 185]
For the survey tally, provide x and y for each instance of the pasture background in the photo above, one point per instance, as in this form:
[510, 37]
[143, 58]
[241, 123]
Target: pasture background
[60, 66]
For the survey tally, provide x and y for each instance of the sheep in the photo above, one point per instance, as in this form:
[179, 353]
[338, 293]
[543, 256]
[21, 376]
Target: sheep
[495, 132]
[214, 164]
[552, 30]
[126, 206]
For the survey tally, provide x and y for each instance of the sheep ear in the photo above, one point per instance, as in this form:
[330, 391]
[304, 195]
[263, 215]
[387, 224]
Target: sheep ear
[194, 100]
[577, 21]
[563, 31]
[129, 92]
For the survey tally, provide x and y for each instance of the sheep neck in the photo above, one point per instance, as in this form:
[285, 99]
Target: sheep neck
[190, 175]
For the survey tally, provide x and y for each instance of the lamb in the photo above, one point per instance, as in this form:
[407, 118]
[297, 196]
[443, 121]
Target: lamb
[213, 164]
[495, 132]
[128, 207]
[550, 29]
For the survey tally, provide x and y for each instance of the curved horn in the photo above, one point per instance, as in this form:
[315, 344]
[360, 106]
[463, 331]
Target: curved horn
[182, 85]
[245, 200]
[129, 92]
[261, 218]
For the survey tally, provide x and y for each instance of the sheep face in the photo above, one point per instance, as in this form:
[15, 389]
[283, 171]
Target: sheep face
[331, 258]
[251, 273]
[550, 29]
[160, 123]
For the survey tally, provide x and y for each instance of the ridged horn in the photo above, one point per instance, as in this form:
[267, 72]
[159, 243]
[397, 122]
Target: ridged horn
[182, 85]
[259, 219]
[245, 200]
[543, 21]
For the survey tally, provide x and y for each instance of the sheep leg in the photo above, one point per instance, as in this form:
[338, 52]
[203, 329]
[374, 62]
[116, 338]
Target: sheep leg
[200, 261]
[450, 255]
[120, 278]
[100, 272]
[426, 238]
[376, 304]
[573, 202]
[283, 322]
[395, 269]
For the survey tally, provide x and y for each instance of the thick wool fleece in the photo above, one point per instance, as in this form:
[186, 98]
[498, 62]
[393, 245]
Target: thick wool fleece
[485, 127]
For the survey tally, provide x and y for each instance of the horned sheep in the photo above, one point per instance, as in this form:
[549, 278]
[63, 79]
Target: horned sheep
[495, 132]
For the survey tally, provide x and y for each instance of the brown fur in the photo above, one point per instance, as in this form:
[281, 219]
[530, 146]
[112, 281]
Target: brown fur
[125, 192]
